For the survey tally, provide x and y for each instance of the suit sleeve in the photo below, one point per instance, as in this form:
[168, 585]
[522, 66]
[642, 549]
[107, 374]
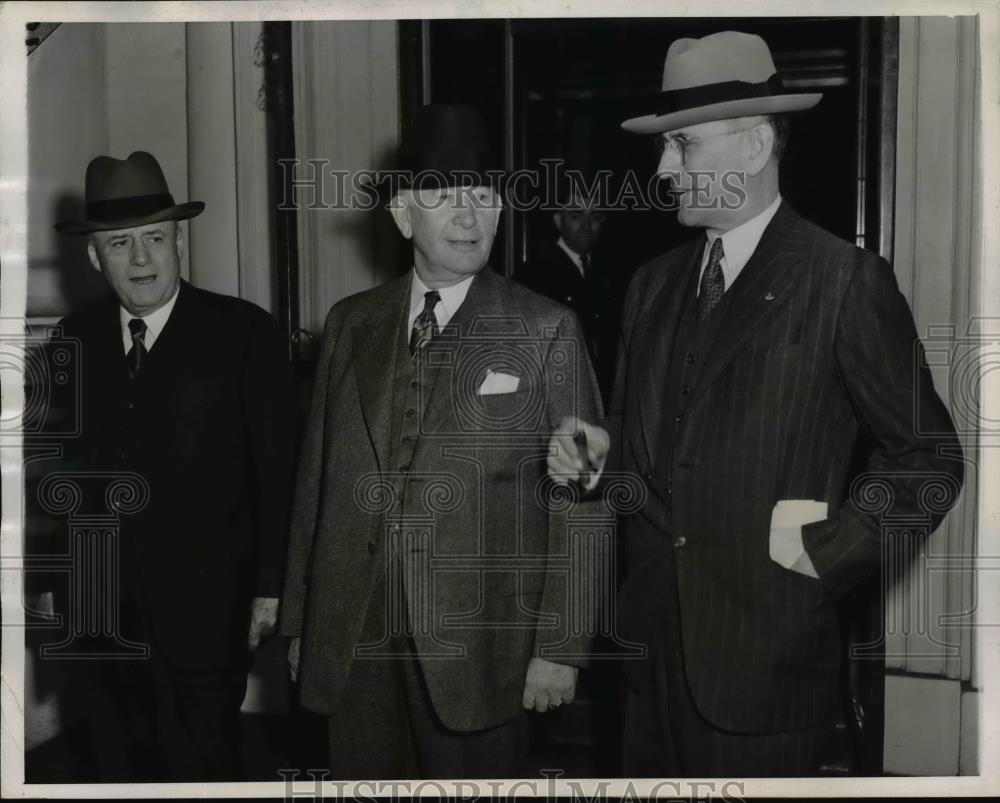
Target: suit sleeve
[915, 465]
[577, 395]
[271, 420]
[305, 505]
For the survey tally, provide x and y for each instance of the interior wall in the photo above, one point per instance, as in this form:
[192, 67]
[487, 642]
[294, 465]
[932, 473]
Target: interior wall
[932, 689]
[346, 119]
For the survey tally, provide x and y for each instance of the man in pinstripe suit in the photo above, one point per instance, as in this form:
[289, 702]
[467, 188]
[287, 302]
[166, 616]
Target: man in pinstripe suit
[757, 362]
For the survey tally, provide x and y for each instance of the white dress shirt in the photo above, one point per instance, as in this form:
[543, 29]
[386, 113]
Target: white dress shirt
[738, 244]
[155, 322]
[451, 299]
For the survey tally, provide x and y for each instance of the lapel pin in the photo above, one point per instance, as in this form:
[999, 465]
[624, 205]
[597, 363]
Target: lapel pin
[769, 296]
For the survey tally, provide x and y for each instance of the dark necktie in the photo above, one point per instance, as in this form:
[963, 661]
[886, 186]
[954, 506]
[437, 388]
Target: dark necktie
[425, 326]
[585, 264]
[713, 284]
[137, 354]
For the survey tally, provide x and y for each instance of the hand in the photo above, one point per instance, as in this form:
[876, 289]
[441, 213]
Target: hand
[548, 685]
[565, 461]
[293, 658]
[263, 620]
[46, 607]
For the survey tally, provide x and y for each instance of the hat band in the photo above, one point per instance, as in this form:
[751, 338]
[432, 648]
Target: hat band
[676, 100]
[130, 207]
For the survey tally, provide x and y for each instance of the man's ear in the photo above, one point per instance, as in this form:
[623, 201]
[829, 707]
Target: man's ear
[761, 144]
[179, 241]
[557, 219]
[92, 253]
[400, 210]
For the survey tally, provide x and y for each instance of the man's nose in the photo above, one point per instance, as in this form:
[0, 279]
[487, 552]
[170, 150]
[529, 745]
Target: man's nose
[465, 216]
[670, 162]
[140, 254]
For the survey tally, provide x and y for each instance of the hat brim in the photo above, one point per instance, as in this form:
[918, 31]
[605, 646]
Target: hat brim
[178, 212]
[747, 107]
[389, 185]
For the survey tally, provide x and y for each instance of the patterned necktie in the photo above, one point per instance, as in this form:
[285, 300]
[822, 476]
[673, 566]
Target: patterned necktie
[425, 326]
[713, 284]
[137, 354]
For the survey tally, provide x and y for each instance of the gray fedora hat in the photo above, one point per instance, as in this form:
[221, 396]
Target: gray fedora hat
[718, 77]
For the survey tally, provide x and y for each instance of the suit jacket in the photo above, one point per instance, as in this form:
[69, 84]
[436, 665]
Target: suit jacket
[596, 299]
[478, 474]
[209, 424]
[816, 350]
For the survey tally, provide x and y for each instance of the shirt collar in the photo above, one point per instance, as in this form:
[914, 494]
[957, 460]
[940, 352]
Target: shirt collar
[577, 259]
[451, 298]
[738, 244]
[155, 322]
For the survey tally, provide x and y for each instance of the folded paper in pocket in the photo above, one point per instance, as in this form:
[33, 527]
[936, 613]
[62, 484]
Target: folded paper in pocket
[497, 382]
[796, 512]
[785, 545]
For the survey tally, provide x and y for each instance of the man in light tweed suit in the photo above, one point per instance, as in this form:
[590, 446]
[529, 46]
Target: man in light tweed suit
[756, 362]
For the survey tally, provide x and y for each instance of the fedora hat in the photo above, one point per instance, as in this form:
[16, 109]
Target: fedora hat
[446, 147]
[720, 76]
[122, 193]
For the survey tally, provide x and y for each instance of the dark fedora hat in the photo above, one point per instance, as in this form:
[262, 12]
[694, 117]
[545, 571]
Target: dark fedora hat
[718, 77]
[446, 147]
[121, 194]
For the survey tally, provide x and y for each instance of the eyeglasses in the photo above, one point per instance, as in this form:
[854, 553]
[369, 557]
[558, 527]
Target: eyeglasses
[683, 143]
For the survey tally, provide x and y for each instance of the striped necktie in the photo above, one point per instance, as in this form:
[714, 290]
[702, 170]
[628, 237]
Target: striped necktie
[425, 326]
[713, 284]
[137, 354]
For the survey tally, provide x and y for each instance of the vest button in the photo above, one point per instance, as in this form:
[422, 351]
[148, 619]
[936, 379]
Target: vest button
[414, 384]
[685, 390]
[689, 357]
[680, 540]
[649, 476]
[371, 547]
[679, 417]
[127, 405]
[410, 413]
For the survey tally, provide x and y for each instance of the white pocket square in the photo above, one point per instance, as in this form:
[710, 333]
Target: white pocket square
[497, 382]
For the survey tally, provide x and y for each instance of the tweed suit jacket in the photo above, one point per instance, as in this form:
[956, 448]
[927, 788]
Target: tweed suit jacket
[496, 590]
[817, 351]
[209, 423]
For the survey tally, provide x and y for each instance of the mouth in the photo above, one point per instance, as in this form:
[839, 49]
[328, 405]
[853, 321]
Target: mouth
[143, 280]
[464, 244]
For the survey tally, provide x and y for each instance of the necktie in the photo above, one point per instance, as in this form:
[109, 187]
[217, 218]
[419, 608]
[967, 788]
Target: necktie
[136, 354]
[585, 263]
[713, 285]
[425, 326]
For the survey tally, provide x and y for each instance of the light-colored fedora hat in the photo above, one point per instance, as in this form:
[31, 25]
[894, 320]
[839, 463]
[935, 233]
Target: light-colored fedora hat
[720, 76]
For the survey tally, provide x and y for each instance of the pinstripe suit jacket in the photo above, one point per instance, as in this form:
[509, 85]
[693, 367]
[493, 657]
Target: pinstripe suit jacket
[817, 348]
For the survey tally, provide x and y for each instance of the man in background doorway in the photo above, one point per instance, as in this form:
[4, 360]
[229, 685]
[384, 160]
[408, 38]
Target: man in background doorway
[573, 270]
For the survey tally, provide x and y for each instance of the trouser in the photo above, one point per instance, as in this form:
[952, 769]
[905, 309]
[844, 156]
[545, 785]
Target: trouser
[666, 736]
[150, 721]
[386, 728]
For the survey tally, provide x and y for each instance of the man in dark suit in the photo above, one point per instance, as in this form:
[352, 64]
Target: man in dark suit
[189, 395]
[429, 577]
[754, 361]
[571, 270]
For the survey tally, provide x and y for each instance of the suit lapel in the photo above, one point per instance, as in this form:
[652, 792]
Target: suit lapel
[758, 292]
[485, 298]
[376, 346]
[663, 316]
